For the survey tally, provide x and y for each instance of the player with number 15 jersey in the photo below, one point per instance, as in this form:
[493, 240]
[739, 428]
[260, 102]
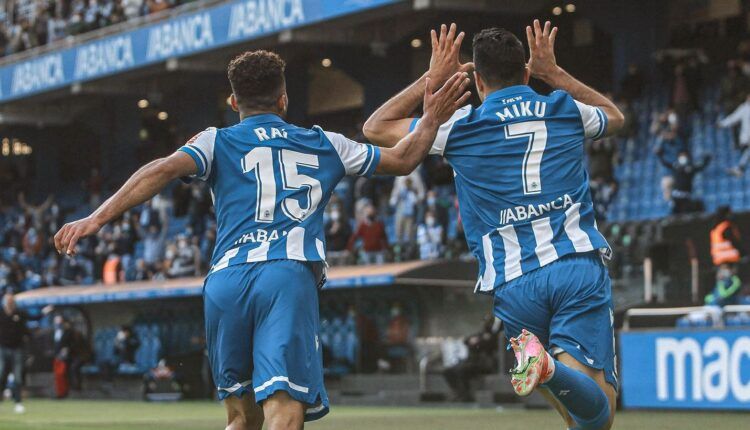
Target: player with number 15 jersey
[270, 182]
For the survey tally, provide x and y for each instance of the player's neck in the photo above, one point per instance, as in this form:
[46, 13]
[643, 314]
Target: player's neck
[247, 114]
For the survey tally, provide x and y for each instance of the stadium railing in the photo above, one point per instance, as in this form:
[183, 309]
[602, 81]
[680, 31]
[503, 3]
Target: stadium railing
[648, 279]
[716, 313]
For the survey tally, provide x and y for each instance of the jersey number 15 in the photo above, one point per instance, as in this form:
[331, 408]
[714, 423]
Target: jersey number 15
[260, 161]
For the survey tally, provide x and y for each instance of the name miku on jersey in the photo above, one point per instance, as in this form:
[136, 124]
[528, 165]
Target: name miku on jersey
[521, 180]
[523, 213]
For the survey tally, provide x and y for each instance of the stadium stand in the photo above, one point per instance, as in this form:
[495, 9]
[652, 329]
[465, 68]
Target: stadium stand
[388, 330]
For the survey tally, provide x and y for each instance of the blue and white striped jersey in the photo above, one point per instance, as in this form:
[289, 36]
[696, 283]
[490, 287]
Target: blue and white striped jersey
[270, 182]
[523, 189]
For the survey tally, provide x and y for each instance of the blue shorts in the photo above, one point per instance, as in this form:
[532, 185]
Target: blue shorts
[262, 332]
[568, 306]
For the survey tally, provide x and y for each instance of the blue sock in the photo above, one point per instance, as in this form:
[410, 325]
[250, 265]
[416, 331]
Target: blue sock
[581, 396]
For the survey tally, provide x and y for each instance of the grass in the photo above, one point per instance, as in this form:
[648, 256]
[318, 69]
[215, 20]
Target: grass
[109, 415]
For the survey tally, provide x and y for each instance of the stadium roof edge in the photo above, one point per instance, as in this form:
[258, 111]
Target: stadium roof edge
[408, 273]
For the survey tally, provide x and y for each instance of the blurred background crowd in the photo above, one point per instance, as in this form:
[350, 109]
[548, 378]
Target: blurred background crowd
[26, 24]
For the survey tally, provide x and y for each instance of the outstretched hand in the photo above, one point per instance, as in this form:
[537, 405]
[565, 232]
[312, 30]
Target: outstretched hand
[68, 236]
[542, 63]
[446, 50]
[440, 105]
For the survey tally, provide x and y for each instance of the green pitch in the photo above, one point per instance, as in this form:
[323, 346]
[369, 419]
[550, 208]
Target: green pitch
[106, 415]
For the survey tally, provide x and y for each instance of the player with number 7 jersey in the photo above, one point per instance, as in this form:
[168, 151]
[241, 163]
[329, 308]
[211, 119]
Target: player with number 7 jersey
[523, 194]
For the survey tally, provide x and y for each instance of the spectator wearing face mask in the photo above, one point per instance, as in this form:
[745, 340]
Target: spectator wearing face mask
[62, 342]
[683, 171]
[154, 239]
[665, 127]
[727, 289]
[374, 242]
[183, 259]
[131, 8]
[337, 231]
[438, 208]
[13, 335]
[602, 194]
[404, 200]
[430, 237]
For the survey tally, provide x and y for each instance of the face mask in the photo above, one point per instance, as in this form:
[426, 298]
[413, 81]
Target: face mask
[335, 216]
[682, 160]
[430, 221]
[431, 201]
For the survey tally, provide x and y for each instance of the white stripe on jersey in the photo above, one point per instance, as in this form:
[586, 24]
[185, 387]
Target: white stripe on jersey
[581, 240]
[592, 119]
[356, 157]
[259, 254]
[295, 244]
[321, 249]
[488, 277]
[512, 252]
[545, 251]
[441, 138]
[224, 261]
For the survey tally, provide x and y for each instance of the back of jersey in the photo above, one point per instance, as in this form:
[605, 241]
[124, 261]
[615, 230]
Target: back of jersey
[270, 182]
[521, 181]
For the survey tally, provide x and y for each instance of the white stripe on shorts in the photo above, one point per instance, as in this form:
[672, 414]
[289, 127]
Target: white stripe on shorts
[275, 379]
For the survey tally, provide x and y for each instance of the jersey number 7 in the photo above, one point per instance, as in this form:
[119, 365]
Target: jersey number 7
[531, 169]
[260, 160]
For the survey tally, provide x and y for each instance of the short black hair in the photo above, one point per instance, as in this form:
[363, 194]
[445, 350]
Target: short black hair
[499, 57]
[257, 78]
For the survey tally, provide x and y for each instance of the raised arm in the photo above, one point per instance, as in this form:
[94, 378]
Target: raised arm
[143, 185]
[391, 121]
[543, 65]
[403, 158]
[735, 117]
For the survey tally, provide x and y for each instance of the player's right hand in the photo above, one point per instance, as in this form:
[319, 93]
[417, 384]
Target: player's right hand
[440, 105]
[68, 236]
[542, 62]
[446, 50]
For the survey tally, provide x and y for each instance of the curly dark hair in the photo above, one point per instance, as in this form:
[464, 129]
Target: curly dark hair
[257, 78]
[499, 57]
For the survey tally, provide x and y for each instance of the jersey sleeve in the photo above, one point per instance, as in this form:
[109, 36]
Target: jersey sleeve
[359, 159]
[201, 149]
[594, 120]
[441, 139]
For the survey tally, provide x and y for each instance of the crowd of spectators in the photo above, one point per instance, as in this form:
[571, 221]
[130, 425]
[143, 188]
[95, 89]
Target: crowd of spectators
[365, 223]
[688, 78]
[26, 24]
[134, 248]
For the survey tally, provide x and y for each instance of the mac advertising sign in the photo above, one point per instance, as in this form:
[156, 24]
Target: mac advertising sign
[702, 369]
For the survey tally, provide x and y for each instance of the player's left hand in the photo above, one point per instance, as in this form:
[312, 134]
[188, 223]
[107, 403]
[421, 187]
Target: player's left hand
[542, 62]
[442, 104]
[446, 50]
[68, 236]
